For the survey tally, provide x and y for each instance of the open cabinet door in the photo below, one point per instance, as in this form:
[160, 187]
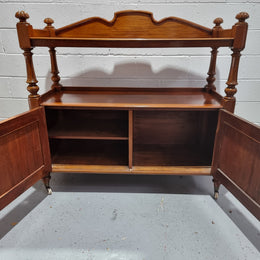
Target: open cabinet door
[236, 159]
[24, 154]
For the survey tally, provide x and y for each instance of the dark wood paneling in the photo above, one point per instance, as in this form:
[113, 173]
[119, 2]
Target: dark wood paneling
[166, 127]
[237, 156]
[170, 155]
[87, 124]
[89, 152]
[174, 137]
[180, 98]
[25, 155]
[174, 127]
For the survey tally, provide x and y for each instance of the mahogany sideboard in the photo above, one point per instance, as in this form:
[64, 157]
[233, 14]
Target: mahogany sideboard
[161, 131]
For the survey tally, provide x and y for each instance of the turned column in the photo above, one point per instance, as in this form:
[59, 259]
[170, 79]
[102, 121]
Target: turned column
[212, 71]
[240, 31]
[54, 66]
[230, 90]
[212, 66]
[54, 70]
[24, 30]
[31, 80]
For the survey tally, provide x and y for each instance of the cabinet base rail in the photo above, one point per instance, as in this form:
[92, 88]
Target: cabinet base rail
[150, 170]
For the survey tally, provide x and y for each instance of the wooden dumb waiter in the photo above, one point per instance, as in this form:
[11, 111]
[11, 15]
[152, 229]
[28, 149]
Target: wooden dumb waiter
[123, 130]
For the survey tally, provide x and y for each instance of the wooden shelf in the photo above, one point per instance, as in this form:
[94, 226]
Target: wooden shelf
[91, 130]
[89, 152]
[131, 98]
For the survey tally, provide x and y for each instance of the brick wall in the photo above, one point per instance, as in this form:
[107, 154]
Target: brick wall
[133, 67]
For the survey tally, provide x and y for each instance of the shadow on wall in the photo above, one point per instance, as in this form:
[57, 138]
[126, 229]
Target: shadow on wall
[139, 74]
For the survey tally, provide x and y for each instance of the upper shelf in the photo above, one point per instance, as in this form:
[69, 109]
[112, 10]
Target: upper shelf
[132, 98]
[131, 29]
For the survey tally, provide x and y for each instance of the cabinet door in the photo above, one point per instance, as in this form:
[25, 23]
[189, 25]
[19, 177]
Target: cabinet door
[24, 154]
[236, 159]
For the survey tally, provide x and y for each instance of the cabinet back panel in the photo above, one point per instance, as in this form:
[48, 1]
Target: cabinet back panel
[87, 123]
[78, 116]
[174, 138]
[169, 127]
[89, 152]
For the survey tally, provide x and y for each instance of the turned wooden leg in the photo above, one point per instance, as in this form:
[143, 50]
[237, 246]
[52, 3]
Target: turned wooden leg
[46, 181]
[216, 188]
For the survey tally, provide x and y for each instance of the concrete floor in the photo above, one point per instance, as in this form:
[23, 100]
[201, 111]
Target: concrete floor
[128, 217]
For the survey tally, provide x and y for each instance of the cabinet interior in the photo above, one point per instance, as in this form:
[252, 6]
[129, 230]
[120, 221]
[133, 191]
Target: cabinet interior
[139, 138]
[174, 138]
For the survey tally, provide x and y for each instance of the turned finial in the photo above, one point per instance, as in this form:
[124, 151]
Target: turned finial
[49, 22]
[22, 16]
[242, 16]
[218, 21]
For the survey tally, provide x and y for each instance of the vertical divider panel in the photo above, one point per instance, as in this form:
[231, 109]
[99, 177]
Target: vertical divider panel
[130, 139]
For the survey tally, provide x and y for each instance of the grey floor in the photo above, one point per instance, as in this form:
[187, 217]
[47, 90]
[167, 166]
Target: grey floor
[128, 217]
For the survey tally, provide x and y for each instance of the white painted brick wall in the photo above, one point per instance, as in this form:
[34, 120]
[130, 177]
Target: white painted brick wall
[133, 67]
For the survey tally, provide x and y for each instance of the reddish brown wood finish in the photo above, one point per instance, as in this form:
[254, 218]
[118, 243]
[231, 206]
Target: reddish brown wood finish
[236, 160]
[171, 138]
[134, 24]
[24, 30]
[87, 124]
[33, 88]
[54, 70]
[25, 154]
[162, 131]
[240, 32]
[142, 170]
[131, 42]
[130, 29]
[212, 71]
[89, 152]
[134, 98]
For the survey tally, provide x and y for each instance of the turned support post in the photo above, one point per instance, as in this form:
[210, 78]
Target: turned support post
[24, 30]
[54, 70]
[230, 90]
[240, 32]
[54, 66]
[32, 87]
[212, 71]
[213, 60]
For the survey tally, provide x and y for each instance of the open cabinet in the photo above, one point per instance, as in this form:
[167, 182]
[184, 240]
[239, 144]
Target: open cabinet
[131, 130]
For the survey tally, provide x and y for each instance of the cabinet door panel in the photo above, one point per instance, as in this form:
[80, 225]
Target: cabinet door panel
[24, 154]
[236, 160]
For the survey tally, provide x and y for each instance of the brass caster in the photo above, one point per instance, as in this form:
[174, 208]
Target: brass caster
[49, 191]
[216, 195]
